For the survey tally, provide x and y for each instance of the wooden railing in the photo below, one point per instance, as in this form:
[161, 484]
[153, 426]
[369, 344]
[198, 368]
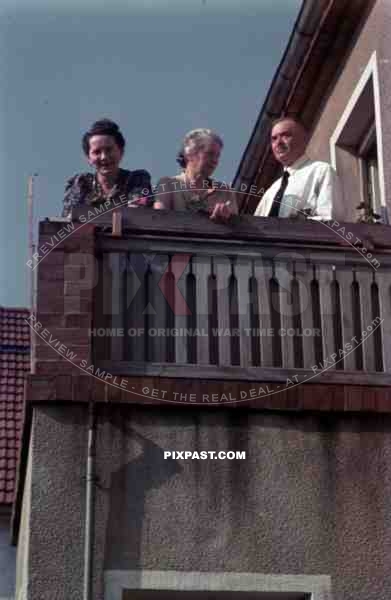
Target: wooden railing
[261, 299]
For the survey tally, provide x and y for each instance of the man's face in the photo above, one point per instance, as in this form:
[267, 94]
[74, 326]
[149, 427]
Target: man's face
[288, 140]
[104, 154]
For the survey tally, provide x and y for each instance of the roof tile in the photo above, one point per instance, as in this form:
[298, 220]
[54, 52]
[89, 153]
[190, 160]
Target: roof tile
[14, 365]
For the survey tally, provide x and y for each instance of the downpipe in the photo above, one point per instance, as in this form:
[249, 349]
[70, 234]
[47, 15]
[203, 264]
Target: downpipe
[89, 519]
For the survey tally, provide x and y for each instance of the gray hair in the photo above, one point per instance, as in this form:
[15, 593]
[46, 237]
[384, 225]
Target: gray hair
[196, 140]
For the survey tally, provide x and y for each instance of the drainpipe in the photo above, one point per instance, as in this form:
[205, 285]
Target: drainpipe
[89, 518]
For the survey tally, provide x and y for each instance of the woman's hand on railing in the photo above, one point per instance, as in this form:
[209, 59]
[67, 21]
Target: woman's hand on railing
[222, 212]
[139, 200]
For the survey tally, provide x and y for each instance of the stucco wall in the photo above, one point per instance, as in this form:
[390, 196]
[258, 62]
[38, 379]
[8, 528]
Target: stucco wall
[23, 545]
[7, 559]
[55, 557]
[311, 498]
[384, 46]
[375, 35]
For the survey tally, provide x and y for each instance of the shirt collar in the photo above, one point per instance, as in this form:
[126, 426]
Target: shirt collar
[297, 164]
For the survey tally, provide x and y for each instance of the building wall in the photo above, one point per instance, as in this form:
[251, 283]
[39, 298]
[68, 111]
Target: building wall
[384, 46]
[311, 498]
[7, 558]
[375, 36]
[23, 546]
[53, 508]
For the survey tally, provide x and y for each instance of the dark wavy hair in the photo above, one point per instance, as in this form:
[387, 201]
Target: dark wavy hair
[103, 127]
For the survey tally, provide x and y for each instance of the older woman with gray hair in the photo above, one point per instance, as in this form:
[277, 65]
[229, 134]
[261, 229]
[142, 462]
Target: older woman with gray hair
[193, 190]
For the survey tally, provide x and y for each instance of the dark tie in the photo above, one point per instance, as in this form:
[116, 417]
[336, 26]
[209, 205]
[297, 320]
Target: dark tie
[275, 207]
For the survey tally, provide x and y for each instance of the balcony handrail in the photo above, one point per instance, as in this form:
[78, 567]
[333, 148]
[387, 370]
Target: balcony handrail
[162, 223]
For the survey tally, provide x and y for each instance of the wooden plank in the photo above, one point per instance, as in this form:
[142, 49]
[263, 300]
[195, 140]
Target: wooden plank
[345, 280]
[365, 279]
[263, 273]
[383, 280]
[245, 227]
[243, 273]
[304, 277]
[324, 274]
[157, 310]
[136, 296]
[254, 374]
[181, 341]
[117, 261]
[323, 396]
[283, 275]
[228, 246]
[106, 300]
[202, 271]
[99, 343]
[222, 267]
[106, 284]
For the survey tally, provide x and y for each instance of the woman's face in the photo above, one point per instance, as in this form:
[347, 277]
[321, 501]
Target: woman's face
[104, 154]
[204, 161]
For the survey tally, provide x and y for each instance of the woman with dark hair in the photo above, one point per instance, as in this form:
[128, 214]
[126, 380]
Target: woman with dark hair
[104, 147]
[193, 189]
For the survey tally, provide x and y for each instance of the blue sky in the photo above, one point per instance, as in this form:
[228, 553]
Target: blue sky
[157, 67]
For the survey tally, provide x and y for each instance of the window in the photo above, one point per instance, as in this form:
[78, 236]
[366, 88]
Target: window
[356, 151]
[170, 595]
[206, 595]
[369, 174]
[194, 585]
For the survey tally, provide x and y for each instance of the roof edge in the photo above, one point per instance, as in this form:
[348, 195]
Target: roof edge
[307, 24]
[320, 28]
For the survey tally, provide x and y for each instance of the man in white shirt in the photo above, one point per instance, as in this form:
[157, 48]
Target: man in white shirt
[307, 188]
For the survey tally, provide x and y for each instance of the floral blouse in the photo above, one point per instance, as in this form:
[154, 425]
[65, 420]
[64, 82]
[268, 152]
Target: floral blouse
[85, 190]
[171, 193]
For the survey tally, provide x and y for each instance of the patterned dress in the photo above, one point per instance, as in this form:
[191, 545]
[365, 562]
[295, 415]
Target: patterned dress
[85, 190]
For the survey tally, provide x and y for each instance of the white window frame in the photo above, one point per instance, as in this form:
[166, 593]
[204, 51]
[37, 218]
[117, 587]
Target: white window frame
[367, 175]
[318, 587]
[370, 71]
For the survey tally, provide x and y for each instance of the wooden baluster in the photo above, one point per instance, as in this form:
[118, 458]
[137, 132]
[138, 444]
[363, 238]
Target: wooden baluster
[118, 268]
[365, 279]
[304, 277]
[283, 275]
[100, 318]
[202, 270]
[344, 277]
[243, 273]
[223, 274]
[181, 341]
[263, 273]
[135, 306]
[106, 301]
[157, 310]
[324, 275]
[383, 279]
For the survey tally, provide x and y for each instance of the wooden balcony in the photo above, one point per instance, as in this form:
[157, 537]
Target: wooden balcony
[244, 301]
[259, 300]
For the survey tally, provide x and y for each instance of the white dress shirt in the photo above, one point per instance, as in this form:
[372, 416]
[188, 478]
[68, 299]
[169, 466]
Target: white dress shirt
[313, 190]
